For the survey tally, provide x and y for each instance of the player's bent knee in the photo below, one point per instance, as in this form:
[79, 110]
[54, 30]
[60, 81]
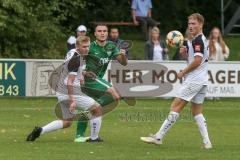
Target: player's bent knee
[114, 93]
[67, 124]
[96, 110]
[110, 91]
[117, 98]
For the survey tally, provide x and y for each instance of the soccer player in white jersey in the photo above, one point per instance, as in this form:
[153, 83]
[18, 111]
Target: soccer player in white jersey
[194, 86]
[69, 95]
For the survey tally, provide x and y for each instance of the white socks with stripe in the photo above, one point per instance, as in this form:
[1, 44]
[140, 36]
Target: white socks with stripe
[52, 126]
[95, 124]
[202, 125]
[167, 124]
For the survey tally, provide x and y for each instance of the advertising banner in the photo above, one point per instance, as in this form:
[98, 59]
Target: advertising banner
[137, 79]
[12, 78]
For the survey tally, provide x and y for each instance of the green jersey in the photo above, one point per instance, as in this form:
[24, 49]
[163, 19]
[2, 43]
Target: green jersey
[99, 57]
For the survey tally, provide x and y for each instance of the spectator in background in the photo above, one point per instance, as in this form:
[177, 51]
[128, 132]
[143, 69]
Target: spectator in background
[114, 37]
[218, 50]
[142, 13]
[154, 48]
[81, 31]
[71, 43]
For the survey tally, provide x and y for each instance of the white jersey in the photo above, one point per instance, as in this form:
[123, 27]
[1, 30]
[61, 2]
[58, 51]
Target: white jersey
[198, 47]
[71, 66]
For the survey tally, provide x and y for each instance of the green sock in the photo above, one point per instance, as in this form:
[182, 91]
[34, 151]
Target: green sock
[81, 128]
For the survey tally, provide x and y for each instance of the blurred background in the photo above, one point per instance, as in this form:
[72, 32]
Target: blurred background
[40, 28]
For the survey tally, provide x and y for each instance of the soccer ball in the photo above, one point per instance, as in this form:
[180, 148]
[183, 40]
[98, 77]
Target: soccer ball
[174, 39]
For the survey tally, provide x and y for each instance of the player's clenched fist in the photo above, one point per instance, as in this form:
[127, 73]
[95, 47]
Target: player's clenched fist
[180, 75]
[89, 74]
[123, 52]
[183, 51]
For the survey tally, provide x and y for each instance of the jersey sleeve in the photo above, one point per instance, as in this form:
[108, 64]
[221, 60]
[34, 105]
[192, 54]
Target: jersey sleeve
[198, 46]
[74, 64]
[69, 55]
[115, 51]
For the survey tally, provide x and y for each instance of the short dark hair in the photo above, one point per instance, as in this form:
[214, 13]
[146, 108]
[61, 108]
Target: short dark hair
[100, 25]
[114, 28]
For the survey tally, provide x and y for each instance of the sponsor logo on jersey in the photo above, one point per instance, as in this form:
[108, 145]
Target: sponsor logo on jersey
[109, 53]
[197, 47]
[109, 50]
[103, 61]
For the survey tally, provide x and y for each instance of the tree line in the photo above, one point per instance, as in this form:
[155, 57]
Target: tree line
[30, 29]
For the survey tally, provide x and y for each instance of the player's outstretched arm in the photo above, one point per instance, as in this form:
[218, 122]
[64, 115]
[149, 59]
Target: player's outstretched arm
[121, 58]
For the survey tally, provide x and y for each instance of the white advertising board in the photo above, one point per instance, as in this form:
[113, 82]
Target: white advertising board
[224, 77]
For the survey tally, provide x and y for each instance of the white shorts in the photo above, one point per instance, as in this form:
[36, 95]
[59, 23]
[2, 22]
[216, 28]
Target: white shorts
[192, 92]
[81, 102]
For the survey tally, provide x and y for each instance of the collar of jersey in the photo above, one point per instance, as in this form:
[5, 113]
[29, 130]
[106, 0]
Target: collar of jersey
[77, 52]
[197, 35]
[98, 44]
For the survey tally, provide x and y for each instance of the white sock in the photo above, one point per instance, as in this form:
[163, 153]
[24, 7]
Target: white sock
[202, 125]
[167, 124]
[95, 124]
[52, 126]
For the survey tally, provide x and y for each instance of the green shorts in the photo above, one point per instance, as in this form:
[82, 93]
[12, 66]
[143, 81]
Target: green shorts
[95, 88]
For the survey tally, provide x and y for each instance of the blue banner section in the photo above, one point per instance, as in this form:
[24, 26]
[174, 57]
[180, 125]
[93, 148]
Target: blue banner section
[12, 78]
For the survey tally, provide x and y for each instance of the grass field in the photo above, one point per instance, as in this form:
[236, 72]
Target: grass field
[121, 130]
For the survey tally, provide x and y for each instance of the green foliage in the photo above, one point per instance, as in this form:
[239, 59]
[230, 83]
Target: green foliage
[39, 28]
[31, 28]
[233, 44]
[27, 29]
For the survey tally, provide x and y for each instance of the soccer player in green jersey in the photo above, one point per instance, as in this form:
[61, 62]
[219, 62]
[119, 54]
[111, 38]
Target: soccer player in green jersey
[100, 54]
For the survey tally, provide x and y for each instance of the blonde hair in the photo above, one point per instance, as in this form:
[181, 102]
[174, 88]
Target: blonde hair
[220, 40]
[198, 17]
[155, 29]
[82, 39]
